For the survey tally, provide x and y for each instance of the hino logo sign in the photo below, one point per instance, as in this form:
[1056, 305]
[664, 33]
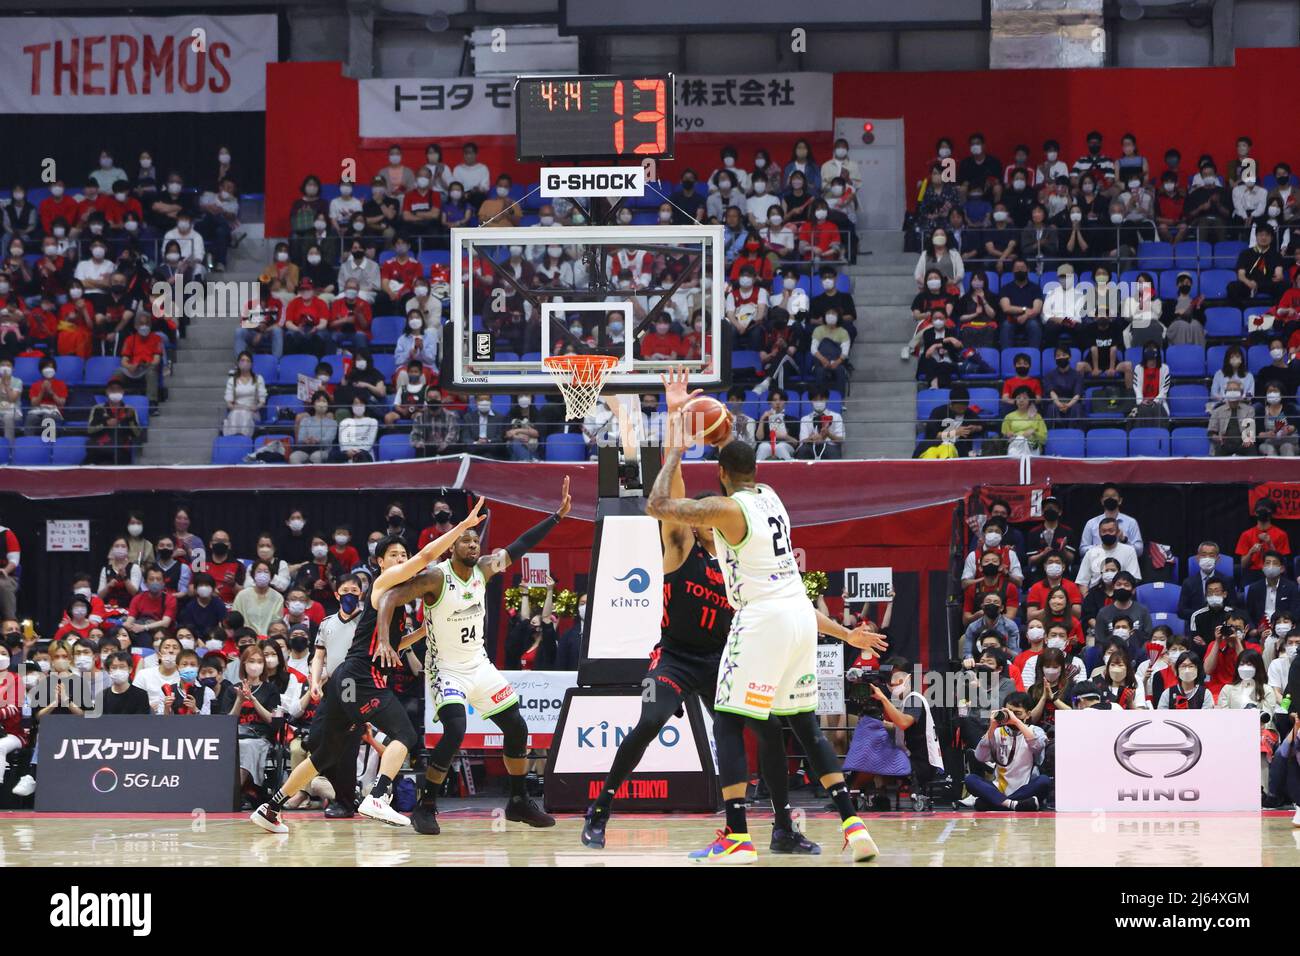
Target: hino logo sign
[1127, 751]
[592, 181]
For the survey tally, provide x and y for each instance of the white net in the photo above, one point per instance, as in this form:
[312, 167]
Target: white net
[579, 379]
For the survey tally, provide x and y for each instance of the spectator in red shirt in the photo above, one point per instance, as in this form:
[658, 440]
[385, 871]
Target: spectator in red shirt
[1054, 568]
[397, 278]
[350, 319]
[1222, 653]
[344, 555]
[306, 323]
[1254, 542]
[52, 272]
[93, 204]
[142, 356]
[299, 608]
[227, 571]
[43, 325]
[752, 255]
[121, 203]
[76, 323]
[993, 579]
[46, 398]
[1170, 222]
[422, 208]
[663, 343]
[818, 238]
[150, 611]
[57, 205]
[441, 523]
[1022, 379]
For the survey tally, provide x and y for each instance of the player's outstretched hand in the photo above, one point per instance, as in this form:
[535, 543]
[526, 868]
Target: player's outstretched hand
[676, 389]
[565, 501]
[475, 516]
[867, 640]
[385, 656]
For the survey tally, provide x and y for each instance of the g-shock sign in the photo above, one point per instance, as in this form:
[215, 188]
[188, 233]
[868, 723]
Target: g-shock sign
[594, 117]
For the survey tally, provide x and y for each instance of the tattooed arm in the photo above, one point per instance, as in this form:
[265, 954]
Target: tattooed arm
[716, 512]
[427, 585]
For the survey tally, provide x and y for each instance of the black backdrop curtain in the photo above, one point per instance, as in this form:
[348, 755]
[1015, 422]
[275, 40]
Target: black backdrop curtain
[185, 142]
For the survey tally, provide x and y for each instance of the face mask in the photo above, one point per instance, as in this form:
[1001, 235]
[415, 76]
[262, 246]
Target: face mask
[746, 281]
[296, 607]
[820, 214]
[1291, 650]
[1018, 185]
[318, 551]
[993, 539]
[1108, 576]
[84, 664]
[1233, 396]
[395, 520]
[1283, 628]
[253, 669]
[1277, 353]
[348, 603]
[1035, 633]
[296, 524]
[933, 284]
[119, 676]
[503, 191]
[991, 570]
[1246, 672]
[1214, 600]
[189, 674]
[1051, 673]
[314, 259]
[760, 187]
[1122, 594]
[615, 328]
[484, 407]
[1187, 674]
[992, 610]
[1000, 216]
[262, 579]
[1109, 540]
[938, 324]
[204, 591]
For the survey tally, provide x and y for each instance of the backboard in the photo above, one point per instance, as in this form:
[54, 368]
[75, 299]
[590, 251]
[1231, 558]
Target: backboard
[518, 294]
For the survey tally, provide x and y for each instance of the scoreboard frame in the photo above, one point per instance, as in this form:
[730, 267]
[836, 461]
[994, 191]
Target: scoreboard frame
[670, 105]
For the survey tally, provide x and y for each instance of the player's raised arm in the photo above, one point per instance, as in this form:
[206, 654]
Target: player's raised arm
[716, 512]
[414, 565]
[499, 560]
[676, 537]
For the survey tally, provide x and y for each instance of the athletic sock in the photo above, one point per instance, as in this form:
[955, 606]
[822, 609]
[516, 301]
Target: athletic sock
[382, 784]
[736, 816]
[781, 819]
[429, 790]
[278, 800]
[517, 793]
[843, 802]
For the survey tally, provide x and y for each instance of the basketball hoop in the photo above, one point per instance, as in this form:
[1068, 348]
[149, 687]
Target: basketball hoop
[579, 379]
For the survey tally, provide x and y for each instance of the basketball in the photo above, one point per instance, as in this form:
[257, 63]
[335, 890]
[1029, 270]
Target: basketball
[707, 420]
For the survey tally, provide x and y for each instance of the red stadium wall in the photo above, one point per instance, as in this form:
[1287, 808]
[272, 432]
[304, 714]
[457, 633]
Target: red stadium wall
[312, 125]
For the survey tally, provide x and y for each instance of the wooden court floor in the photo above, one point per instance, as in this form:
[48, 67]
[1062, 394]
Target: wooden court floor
[477, 837]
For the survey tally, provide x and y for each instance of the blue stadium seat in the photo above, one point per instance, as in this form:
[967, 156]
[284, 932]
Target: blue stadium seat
[1148, 443]
[565, 447]
[271, 414]
[1159, 596]
[843, 283]
[1009, 361]
[986, 399]
[1155, 255]
[927, 400]
[28, 369]
[1224, 321]
[1190, 443]
[264, 365]
[1065, 442]
[1186, 361]
[386, 329]
[1192, 255]
[31, 450]
[335, 363]
[1214, 282]
[746, 360]
[385, 364]
[1170, 620]
[1214, 356]
[1188, 401]
[70, 368]
[4, 450]
[395, 448]
[230, 449]
[1249, 313]
[291, 366]
[1226, 252]
[1256, 358]
[100, 368]
[69, 450]
[1106, 443]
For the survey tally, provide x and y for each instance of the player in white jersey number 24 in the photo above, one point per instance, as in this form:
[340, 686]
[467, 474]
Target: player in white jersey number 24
[769, 666]
[454, 594]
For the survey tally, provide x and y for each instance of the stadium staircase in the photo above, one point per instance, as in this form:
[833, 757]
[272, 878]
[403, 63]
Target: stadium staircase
[182, 431]
[880, 412]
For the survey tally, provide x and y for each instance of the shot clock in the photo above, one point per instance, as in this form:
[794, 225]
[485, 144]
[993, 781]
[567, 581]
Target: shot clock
[594, 117]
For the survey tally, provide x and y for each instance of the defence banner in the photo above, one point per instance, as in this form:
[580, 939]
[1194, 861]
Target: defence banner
[101, 65]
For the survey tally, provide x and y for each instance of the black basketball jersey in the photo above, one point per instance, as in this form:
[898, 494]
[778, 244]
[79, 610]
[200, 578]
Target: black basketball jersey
[697, 615]
[365, 639]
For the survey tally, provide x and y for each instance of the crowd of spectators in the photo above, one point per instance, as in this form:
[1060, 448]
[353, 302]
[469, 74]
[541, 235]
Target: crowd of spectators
[1124, 297]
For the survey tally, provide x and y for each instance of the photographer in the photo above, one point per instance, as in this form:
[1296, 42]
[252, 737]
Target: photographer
[1015, 748]
[987, 686]
[1225, 650]
[895, 736]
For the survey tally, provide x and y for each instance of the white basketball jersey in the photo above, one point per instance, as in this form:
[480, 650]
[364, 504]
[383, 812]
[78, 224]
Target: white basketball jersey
[762, 567]
[454, 623]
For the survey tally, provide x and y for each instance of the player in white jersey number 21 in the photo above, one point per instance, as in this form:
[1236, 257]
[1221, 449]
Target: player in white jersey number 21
[454, 594]
[769, 666]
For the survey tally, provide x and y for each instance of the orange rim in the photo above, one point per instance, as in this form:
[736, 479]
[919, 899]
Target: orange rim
[585, 369]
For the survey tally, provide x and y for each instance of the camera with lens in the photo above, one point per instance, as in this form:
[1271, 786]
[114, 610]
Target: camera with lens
[858, 698]
[1001, 717]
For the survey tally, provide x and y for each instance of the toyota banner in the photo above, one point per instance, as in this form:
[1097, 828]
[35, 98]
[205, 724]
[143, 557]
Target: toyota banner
[138, 764]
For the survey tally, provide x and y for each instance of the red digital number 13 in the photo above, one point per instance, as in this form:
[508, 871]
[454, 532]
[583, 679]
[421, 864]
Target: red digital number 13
[658, 116]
